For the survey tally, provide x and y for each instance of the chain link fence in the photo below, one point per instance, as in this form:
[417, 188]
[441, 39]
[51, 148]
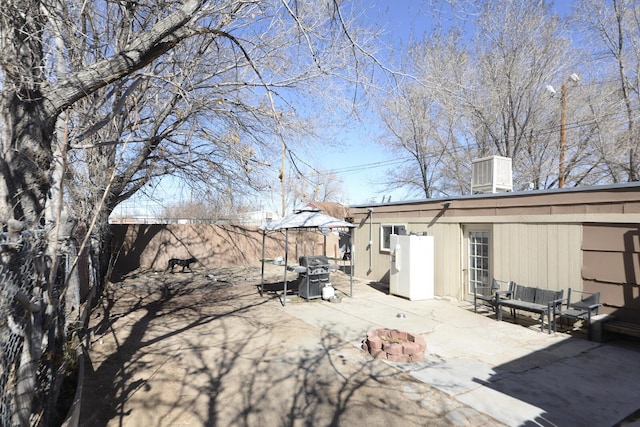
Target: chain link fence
[40, 326]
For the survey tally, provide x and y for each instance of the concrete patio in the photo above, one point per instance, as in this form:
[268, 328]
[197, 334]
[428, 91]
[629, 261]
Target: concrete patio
[513, 373]
[302, 364]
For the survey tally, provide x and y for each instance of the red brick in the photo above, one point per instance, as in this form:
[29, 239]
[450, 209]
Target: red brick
[411, 348]
[398, 358]
[392, 347]
[419, 357]
[399, 335]
[374, 342]
[419, 339]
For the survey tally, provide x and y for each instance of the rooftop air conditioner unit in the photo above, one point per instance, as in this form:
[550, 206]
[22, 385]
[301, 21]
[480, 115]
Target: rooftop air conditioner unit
[491, 175]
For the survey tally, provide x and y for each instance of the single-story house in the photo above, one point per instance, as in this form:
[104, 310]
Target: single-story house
[585, 238]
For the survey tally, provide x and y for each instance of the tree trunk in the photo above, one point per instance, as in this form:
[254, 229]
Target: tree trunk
[25, 161]
[26, 130]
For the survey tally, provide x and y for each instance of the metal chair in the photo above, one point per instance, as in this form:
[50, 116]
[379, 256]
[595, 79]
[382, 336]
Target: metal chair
[488, 294]
[583, 309]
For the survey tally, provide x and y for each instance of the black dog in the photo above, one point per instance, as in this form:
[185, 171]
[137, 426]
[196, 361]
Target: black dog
[184, 263]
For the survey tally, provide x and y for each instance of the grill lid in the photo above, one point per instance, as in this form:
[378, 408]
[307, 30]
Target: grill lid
[312, 261]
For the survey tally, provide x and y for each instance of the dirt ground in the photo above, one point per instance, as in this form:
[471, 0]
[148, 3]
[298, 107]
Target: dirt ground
[204, 348]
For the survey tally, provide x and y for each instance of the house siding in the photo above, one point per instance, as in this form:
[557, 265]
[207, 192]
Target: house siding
[580, 238]
[447, 240]
[611, 266]
[542, 255]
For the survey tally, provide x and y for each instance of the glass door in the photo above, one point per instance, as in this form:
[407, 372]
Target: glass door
[478, 259]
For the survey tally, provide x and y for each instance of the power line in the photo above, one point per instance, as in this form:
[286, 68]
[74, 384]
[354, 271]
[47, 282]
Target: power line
[365, 166]
[456, 149]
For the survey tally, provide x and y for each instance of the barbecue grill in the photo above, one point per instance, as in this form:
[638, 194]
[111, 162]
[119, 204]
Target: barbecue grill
[314, 277]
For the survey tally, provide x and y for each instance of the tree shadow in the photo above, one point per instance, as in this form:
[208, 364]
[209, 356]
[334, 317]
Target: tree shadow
[278, 287]
[175, 349]
[126, 250]
[150, 246]
[576, 381]
[150, 304]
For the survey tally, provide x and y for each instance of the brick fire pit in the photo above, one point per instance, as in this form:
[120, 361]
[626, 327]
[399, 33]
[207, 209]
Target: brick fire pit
[395, 346]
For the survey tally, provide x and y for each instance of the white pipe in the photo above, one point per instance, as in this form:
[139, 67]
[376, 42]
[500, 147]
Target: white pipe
[370, 240]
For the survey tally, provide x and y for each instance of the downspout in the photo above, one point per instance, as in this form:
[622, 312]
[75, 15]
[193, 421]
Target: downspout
[370, 240]
[286, 264]
[264, 235]
[353, 249]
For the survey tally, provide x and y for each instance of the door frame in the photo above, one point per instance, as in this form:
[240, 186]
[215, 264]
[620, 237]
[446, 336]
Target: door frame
[467, 229]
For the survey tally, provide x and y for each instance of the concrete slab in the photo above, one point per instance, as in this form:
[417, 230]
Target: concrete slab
[177, 353]
[515, 374]
[595, 387]
[453, 377]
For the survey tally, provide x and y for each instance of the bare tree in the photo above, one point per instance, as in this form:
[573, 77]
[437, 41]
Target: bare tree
[421, 117]
[306, 184]
[327, 187]
[520, 49]
[100, 99]
[243, 62]
[612, 29]
[483, 96]
[412, 122]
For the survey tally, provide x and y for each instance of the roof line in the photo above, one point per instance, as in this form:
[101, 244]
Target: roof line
[507, 194]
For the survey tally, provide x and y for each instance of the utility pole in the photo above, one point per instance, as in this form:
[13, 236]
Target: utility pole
[282, 175]
[563, 133]
[573, 78]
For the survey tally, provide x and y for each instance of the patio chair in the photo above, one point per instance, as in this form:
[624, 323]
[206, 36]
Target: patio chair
[582, 309]
[487, 294]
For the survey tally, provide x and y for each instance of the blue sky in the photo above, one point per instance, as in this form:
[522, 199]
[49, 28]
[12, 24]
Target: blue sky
[403, 21]
[362, 163]
[358, 161]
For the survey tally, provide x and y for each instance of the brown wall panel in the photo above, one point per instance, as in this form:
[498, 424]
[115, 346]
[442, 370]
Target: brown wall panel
[151, 246]
[611, 237]
[620, 200]
[623, 301]
[611, 267]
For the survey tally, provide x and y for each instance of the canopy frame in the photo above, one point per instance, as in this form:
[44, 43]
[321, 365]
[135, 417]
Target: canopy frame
[303, 220]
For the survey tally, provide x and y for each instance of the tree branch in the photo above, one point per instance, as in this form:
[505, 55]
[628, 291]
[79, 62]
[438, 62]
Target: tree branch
[148, 46]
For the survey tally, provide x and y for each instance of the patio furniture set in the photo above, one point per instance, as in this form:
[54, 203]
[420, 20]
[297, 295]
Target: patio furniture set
[548, 304]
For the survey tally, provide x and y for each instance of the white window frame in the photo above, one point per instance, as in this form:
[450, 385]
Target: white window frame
[392, 231]
[484, 256]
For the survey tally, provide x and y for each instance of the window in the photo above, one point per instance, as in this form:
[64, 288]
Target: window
[385, 235]
[478, 259]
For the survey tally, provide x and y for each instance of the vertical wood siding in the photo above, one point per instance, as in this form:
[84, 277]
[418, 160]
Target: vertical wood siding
[448, 262]
[542, 255]
[447, 257]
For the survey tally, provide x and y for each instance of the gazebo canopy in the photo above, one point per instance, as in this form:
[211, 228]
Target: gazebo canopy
[303, 219]
[306, 219]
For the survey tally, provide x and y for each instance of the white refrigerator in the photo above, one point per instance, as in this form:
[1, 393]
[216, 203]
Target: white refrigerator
[411, 272]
